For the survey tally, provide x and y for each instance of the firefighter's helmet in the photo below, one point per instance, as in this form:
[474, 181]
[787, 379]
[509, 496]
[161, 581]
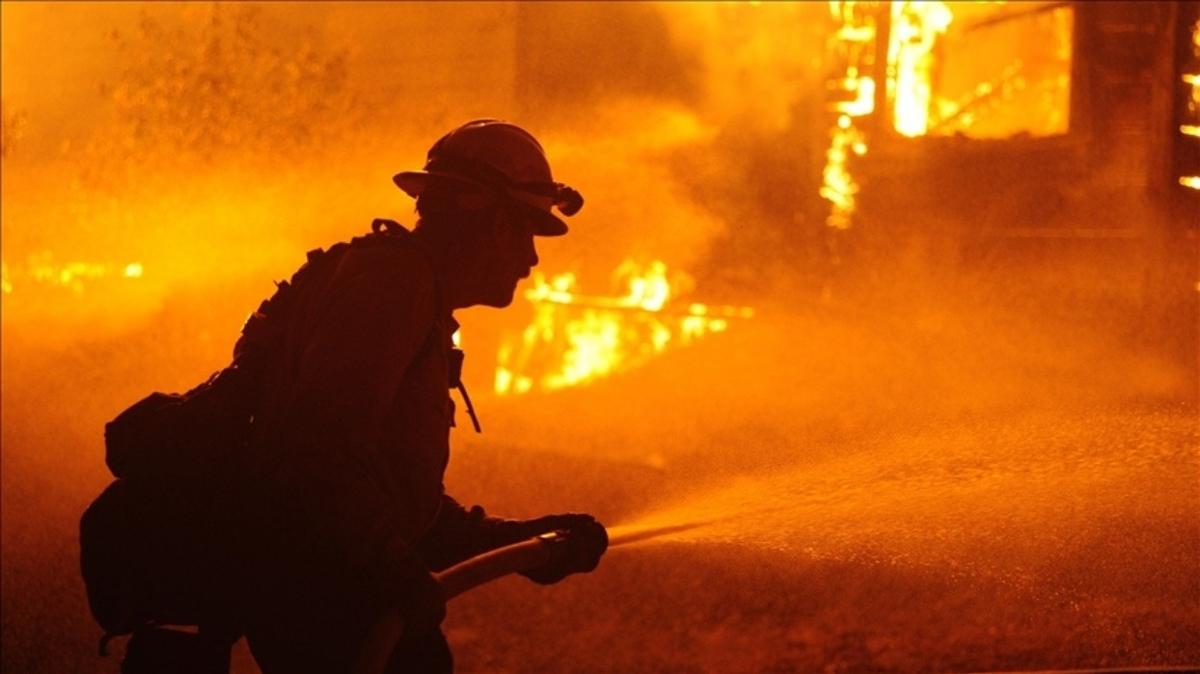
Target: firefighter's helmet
[502, 159]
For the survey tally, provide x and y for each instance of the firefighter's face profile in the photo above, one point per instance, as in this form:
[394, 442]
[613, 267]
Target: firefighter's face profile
[512, 255]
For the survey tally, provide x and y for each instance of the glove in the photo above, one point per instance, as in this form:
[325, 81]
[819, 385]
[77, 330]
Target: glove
[585, 541]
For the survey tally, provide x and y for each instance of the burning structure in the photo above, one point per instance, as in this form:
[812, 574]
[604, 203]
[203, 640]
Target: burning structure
[1071, 90]
[987, 134]
[978, 137]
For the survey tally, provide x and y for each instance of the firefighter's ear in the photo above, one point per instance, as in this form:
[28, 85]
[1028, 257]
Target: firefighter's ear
[497, 225]
[476, 200]
[479, 235]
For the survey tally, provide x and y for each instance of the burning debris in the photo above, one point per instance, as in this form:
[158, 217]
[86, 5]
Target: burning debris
[575, 338]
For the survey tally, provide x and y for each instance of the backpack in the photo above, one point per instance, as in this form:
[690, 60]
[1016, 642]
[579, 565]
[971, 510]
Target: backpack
[149, 544]
[153, 549]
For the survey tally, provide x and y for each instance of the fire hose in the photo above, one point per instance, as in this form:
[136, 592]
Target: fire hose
[383, 637]
[528, 554]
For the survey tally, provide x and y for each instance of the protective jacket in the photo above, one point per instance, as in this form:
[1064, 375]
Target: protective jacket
[355, 411]
[343, 479]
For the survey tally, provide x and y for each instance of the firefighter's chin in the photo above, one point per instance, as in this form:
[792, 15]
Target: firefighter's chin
[500, 296]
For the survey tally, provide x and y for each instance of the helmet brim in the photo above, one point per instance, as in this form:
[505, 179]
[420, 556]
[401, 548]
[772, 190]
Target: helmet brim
[414, 184]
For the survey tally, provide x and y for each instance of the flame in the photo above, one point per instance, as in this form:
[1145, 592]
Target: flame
[1193, 130]
[915, 29]
[1193, 80]
[853, 42]
[42, 269]
[588, 337]
[839, 187]
[902, 59]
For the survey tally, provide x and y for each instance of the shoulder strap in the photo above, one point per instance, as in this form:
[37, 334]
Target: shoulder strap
[263, 328]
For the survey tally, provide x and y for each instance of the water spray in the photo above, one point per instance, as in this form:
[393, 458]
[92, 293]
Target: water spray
[625, 535]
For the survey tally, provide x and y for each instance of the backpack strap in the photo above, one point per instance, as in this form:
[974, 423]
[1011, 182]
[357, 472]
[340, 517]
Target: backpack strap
[264, 327]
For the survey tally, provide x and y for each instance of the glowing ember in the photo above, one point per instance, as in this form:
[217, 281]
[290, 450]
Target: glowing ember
[576, 338]
[914, 31]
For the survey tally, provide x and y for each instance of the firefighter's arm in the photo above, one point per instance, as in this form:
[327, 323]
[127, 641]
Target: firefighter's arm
[460, 534]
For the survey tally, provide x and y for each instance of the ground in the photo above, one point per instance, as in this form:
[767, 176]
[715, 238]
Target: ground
[879, 489]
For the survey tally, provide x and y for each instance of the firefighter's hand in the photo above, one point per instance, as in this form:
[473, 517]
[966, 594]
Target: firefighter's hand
[586, 540]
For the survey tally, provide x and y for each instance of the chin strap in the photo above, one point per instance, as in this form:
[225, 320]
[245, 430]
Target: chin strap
[456, 358]
[470, 408]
